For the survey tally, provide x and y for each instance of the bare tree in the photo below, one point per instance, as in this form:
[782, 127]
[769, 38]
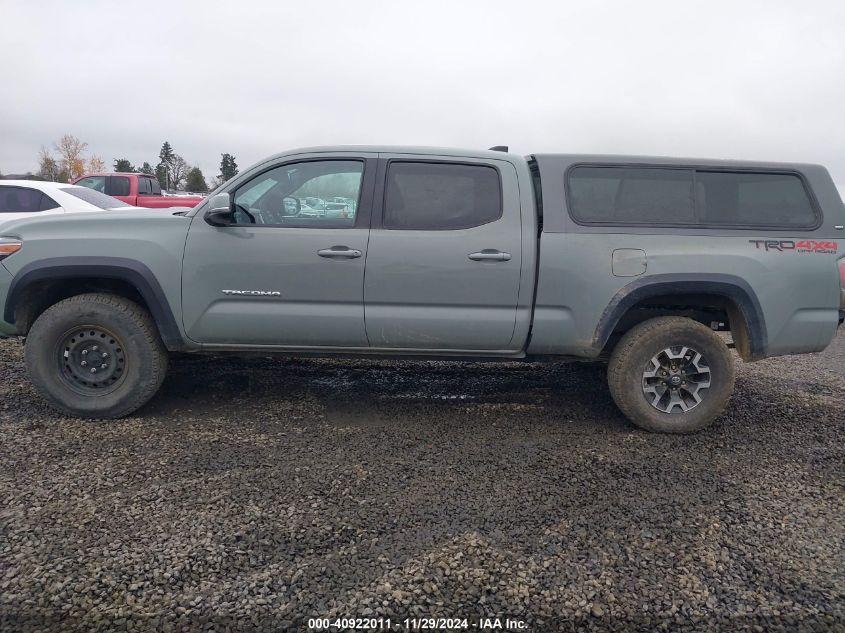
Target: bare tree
[48, 168]
[178, 172]
[96, 164]
[71, 159]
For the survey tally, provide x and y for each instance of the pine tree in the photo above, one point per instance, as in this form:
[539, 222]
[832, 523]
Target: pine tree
[196, 181]
[123, 165]
[228, 167]
[166, 155]
[161, 174]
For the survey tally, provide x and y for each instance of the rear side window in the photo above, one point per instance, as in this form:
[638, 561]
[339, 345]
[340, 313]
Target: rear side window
[118, 186]
[624, 195]
[47, 203]
[96, 198]
[441, 196]
[24, 200]
[657, 196]
[148, 186]
[753, 199]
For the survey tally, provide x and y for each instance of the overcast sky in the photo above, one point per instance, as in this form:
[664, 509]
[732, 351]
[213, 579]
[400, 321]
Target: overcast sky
[758, 80]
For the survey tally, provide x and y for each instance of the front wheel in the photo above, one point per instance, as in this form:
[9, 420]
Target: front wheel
[671, 375]
[95, 355]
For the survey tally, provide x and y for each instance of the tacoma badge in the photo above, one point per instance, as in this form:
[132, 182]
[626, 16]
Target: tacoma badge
[253, 293]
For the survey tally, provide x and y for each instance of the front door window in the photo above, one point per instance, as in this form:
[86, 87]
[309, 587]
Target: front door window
[97, 183]
[319, 194]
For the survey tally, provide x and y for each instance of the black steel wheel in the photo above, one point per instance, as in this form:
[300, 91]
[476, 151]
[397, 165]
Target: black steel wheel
[92, 360]
[96, 355]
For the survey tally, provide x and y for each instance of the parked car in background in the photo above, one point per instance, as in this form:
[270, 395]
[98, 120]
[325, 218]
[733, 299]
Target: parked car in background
[318, 204]
[25, 198]
[140, 190]
[349, 202]
[338, 210]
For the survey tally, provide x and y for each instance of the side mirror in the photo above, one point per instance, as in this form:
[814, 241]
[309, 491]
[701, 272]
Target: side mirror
[220, 210]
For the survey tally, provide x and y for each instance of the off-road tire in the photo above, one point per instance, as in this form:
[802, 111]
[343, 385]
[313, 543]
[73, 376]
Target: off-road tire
[632, 355]
[142, 355]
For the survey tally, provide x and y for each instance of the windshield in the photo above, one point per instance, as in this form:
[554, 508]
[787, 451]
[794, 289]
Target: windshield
[94, 197]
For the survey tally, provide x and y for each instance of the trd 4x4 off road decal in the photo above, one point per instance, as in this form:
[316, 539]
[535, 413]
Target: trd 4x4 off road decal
[801, 246]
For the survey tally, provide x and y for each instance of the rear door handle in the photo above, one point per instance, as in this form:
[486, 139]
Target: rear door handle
[339, 252]
[490, 254]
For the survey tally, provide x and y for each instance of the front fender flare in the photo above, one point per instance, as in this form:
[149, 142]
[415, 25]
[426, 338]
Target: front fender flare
[124, 269]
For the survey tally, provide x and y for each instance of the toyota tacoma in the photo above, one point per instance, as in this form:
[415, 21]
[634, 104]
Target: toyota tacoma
[656, 266]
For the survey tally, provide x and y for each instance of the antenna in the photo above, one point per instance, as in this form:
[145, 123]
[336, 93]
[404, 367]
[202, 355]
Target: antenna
[499, 148]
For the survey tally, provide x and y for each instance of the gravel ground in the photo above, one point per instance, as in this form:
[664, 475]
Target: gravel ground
[254, 494]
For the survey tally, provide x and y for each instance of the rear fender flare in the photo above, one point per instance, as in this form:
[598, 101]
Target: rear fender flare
[734, 288]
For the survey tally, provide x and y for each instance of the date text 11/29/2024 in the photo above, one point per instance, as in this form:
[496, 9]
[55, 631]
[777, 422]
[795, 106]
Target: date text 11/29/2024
[417, 624]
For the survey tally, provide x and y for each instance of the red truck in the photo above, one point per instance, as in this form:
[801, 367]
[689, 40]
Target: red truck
[139, 190]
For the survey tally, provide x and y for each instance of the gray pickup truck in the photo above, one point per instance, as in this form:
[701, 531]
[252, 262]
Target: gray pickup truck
[436, 253]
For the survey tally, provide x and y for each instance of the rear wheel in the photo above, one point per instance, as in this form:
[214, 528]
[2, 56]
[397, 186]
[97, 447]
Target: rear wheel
[95, 356]
[671, 375]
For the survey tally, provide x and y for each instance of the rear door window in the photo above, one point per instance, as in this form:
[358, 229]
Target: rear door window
[441, 196]
[118, 186]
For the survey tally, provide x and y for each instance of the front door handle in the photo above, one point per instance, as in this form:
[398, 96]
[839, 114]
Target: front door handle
[339, 252]
[490, 254]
